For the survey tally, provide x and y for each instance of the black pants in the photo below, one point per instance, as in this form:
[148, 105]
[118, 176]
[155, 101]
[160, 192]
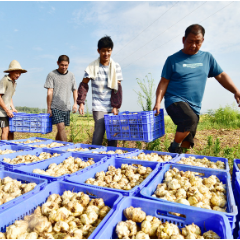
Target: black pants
[185, 118]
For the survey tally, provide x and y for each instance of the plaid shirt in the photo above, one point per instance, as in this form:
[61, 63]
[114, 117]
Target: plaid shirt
[101, 94]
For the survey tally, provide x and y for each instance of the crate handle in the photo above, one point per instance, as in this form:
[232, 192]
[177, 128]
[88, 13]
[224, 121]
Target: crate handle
[170, 214]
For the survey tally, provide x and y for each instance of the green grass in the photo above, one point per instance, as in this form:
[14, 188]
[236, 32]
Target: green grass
[212, 143]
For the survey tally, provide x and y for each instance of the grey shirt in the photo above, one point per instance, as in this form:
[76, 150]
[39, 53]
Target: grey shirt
[7, 88]
[63, 85]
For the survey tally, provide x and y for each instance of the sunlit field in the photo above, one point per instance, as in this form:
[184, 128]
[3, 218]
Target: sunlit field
[217, 135]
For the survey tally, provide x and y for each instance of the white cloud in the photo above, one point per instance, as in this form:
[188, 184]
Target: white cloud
[16, 30]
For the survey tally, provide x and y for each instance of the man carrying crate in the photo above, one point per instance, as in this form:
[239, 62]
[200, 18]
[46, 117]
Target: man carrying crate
[60, 83]
[7, 89]
[182, 85]
[106, 77]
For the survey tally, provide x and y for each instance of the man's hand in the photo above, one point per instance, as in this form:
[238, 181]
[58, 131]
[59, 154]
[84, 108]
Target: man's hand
[15, 110]
[75, 107]
[9, 113]
[115, 111]
[237, 97]
[50, 112]
[157, 108]
[81, 109]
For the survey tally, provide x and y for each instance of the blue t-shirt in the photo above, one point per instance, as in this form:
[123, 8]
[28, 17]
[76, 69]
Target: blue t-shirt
[187, 75]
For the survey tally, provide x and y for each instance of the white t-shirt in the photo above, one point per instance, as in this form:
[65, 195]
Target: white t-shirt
[101, 94]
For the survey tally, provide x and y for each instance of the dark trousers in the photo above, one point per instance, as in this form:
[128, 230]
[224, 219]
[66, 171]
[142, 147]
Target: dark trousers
[185, 118]
[99, 130]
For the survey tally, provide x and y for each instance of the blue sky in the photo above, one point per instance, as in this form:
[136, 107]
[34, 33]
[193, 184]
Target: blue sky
[144, 34]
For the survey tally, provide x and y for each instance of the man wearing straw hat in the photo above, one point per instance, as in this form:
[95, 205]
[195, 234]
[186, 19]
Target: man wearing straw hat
[7, 88]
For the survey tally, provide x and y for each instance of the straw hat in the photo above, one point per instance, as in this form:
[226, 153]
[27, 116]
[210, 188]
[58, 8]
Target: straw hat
[15, 66]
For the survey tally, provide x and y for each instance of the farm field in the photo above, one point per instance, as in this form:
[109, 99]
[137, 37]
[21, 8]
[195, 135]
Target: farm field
[217, 135]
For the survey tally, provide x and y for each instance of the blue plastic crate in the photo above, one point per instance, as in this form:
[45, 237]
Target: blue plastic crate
[35, 151]
[49, 141]
[13, 142]
[78, 145]
[224, 177]
[28, 206]
[116, 162]
[174, 155]
[106, 149]
[34, 123]
[43, 165]
[212, 159]
[135, 126]
[235, 170]
[41, 183]
[236, 191]
[163, 212]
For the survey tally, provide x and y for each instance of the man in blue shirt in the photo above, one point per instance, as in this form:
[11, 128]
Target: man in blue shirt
[182, 84]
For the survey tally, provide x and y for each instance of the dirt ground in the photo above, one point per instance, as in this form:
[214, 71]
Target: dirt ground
[227, 137]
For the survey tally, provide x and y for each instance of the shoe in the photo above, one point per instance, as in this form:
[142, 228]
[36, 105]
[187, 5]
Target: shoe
[178, 150]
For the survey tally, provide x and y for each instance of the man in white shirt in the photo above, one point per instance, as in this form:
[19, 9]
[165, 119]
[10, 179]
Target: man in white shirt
[102, 87]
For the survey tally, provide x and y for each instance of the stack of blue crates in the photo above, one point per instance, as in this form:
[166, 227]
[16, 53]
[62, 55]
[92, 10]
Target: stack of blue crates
[116, 199]
[135, 126]
[31, 123]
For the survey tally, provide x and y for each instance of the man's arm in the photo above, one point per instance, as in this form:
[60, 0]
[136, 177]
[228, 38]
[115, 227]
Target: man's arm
[115, 109]
[49, 100]
[75, 95]
[82, 94]
[3, 106]
[12, 106]
[161, 90]
[227, 83]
